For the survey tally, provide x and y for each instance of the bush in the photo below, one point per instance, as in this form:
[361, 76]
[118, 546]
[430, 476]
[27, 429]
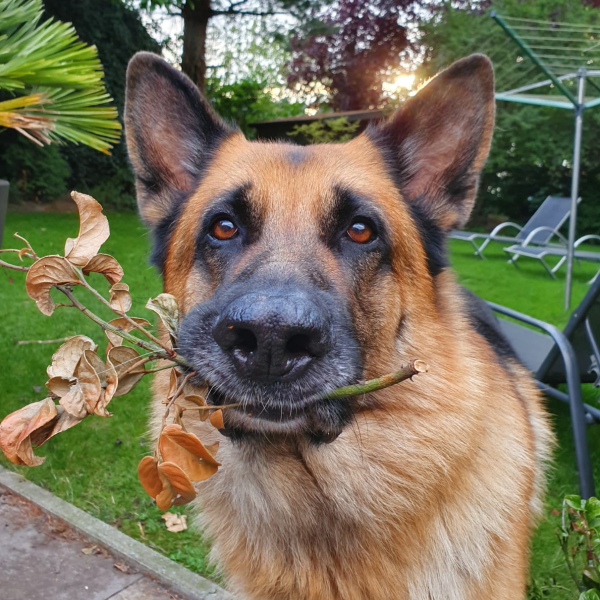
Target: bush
[36, 173]
[249, 101]
[328, 131]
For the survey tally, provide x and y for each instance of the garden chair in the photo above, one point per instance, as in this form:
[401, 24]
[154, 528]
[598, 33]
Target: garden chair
[540, 253]
[555, 357]
[540, 228]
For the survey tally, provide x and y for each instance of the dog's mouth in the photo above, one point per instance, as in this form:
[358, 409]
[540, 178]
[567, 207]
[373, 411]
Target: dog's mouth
[317, 419]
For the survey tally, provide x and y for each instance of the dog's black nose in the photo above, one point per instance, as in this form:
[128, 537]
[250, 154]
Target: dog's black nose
[273, 335]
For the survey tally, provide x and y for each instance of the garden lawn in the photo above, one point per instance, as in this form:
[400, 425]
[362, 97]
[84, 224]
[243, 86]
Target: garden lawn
[94, 464]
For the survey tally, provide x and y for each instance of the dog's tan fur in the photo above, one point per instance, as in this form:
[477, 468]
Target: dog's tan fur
[429, 494]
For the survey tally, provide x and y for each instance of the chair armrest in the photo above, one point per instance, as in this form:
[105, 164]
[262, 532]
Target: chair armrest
[559, 235]
[561, 341]
[500, 227]
[585, 238]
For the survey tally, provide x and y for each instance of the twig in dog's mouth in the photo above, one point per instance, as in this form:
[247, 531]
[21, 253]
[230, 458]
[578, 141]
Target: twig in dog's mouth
[414, 367]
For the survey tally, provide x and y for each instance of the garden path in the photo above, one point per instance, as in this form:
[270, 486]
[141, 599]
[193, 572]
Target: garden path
[42, 558]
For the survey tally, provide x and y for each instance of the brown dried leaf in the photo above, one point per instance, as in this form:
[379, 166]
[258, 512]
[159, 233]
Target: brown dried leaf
[213, 448]
[123, 324]
[173, 384]
[17, 428]
[70, 394]
[61, 386]
[89, 381]
[165, 306]
[120, 298]
[195, 399]
[198, 401]
[60, 423]
[108, 382]
[175, 523]
[187, 451]
[23, 252]
[74, 402]
[65, 359]
[121, 358]
[216, 419]
[149, 477]
[107, 266]
[166, 483]
[43, 275]
[177, 487]
[178, 413]
[93, 231]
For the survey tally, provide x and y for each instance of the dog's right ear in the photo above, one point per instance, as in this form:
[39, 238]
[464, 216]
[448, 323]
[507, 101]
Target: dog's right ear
[171, 134]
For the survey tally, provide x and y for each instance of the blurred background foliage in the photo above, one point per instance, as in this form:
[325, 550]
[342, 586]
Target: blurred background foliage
[46, 174]
[533, 146]
[267, 60]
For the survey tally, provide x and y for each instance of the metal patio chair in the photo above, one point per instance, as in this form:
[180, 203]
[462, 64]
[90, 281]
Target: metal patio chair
[541, 252]
[544, 222]
[570, 356]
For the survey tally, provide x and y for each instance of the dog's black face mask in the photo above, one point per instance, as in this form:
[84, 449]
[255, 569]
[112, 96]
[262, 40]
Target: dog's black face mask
[278, 331]
[277, 347]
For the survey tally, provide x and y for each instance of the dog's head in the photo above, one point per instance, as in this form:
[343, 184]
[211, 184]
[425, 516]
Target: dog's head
[299, 268]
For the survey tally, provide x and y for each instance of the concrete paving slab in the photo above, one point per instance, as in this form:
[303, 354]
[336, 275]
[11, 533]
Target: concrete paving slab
[41, 558]
[161, 576]
[144, 589]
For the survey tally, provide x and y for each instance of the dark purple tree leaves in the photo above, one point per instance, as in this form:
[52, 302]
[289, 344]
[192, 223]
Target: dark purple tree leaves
[360, 40]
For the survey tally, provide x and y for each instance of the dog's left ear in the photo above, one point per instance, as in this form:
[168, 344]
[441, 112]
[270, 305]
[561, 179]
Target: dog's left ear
[438, 142]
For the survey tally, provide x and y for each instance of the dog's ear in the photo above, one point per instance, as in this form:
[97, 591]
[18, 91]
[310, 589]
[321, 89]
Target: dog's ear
[171, 133]
[438, 142]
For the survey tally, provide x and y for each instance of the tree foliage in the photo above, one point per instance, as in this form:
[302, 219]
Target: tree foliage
[197, 14]
[248, 101]
[117, 33]
[357, 45]
[326, 131]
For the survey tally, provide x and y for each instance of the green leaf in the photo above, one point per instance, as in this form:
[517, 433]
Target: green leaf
[575, 502]
[47, 60]
[589, 595]
[592, 513]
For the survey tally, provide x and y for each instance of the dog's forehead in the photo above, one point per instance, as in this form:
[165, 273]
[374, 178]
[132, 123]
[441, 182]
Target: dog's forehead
[283, 179]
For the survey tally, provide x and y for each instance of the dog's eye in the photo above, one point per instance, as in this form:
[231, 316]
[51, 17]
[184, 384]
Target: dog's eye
[361, 232]
[223, 229]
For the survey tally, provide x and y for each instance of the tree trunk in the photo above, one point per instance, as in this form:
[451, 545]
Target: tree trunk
[195, 21]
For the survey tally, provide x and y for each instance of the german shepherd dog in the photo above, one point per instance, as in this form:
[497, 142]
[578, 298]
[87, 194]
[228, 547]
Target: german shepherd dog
[302, 269]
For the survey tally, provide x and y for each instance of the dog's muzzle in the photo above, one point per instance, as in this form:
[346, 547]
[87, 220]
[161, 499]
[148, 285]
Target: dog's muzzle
[273, 336]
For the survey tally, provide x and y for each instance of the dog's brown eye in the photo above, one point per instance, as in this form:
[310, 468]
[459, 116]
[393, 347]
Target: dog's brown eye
[360, 232]
[223, 229]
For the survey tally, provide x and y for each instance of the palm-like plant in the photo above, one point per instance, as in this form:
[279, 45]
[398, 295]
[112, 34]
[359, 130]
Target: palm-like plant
[55, 80]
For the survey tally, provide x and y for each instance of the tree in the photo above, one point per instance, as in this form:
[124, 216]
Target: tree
[53, 81]
[196, 15]
[359, 43]
[246, 101]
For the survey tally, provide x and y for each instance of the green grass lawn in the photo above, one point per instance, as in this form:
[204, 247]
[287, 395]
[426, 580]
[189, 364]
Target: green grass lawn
[94, 464]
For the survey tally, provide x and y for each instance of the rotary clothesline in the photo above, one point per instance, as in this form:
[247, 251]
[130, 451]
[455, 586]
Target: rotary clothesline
[556, 60]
